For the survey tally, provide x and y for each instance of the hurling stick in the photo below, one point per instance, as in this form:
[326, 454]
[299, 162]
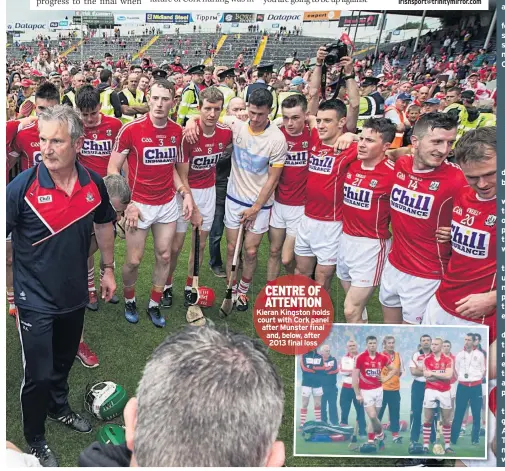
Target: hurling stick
[227, 304]
[195, 315]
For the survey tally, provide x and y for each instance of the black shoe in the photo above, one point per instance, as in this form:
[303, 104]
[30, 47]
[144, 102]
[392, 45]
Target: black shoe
[44, 454]
[219, 272]
[130, 312]
[72, 420]
[242, 303]
[114, 300]
[187, 298]
[155, 314]
[166, 300]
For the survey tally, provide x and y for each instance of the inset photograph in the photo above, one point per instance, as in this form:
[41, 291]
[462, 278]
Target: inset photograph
[394, 391]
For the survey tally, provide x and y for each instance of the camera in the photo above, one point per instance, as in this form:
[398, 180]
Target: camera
[335, 52]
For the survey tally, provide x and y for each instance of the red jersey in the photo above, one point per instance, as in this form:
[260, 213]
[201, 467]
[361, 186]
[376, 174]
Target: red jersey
[204, 155]
[370, 369]
[98, 143]
[421, 202]
[152, 153]
[325, 180]
[366, 200]
[12, 129]
[26, 145]
[438, 366]
[292, 184]
[472, 267]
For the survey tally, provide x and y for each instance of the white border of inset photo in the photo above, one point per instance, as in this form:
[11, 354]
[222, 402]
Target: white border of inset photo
[337, 341]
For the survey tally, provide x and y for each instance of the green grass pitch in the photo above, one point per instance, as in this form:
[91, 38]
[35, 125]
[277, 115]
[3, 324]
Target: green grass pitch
[123, 350]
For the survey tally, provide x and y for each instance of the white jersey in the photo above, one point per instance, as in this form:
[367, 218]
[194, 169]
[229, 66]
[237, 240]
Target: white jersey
[252, 156]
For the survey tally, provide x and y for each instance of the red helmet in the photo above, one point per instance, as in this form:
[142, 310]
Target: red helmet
[206, 296]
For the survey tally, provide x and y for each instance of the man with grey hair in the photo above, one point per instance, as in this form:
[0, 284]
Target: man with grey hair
[239, 428]
[51, 210]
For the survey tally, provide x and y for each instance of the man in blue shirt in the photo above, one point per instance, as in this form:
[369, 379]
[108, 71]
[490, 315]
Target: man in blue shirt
[51, 211]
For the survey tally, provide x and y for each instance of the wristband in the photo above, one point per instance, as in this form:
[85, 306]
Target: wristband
[109, 265]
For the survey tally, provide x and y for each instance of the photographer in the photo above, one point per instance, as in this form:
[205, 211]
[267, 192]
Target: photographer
[346, 64]
[44, 64]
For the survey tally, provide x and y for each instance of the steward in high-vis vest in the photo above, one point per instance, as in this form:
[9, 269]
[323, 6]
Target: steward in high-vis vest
[111, 106]
[77, 82]
[371, 103]
[133, 101]
[396, 114]
[265, 72]
[189, 99]
[226, 81]
[391, 388]
[296, 87]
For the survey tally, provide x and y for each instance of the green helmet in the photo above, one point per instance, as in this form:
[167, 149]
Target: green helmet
[111, 434]
[105, 400]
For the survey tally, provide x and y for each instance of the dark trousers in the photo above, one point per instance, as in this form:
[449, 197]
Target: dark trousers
[216, 233]
[392, 400]
[464, 395]
[416, 412]
[49, 344]
[329, 404]
[348, 397]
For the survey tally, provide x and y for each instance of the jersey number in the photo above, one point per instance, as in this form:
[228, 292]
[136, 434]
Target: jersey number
[357, 182]
[468, 220]
[412, 185]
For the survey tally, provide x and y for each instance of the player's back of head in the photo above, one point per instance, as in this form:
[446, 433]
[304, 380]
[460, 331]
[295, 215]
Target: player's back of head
[207, 398]
[87, 98]
[476, 145]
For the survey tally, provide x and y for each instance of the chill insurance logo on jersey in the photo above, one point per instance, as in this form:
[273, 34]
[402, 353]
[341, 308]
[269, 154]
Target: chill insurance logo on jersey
[37, 158]
[321, 164]
[96, 148]
[357, 197]
[159, 155]
[296, 159]
[205, 162]
[411, 202]
[469, 241]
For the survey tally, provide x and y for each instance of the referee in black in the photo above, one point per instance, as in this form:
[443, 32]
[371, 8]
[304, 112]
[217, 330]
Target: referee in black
[471, 369]
[51, 211]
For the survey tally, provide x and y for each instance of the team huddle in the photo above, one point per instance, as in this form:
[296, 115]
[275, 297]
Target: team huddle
[444, 387]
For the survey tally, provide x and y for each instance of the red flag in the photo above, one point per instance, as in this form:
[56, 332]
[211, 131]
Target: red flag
[347, 40]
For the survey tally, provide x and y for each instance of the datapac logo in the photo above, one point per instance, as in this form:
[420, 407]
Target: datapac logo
[33, 26]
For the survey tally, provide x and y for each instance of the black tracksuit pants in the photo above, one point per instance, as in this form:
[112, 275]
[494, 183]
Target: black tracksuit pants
[49, 344]
[392, 400]
[348, 397]
[464, 395]
[329, 404]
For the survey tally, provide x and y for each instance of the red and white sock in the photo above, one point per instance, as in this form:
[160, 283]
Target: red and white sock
[91, 279]
[446, 431]
[234, 289]
[395, 434]
[189, 283]
[303, 416]
[129, 294]
[10, 299]
[426, 434]
[169, 282]
[380, 436]
[155, 299]
[371, 437]
[243, 287]
[317, 413]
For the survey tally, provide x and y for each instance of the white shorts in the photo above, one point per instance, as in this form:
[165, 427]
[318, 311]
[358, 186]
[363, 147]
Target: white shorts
[372, 397]
[286, 217]
[232, 217]
[318, 239]
[159, 214]
[205, 199]
[431, 396]
[361, 260]
[437, 315]
[411, 293]
[307, 391]
[454, 386]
